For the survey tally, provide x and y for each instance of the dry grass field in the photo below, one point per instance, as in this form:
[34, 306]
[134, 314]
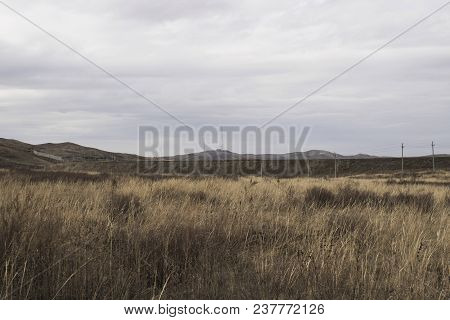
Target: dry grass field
[86, 236]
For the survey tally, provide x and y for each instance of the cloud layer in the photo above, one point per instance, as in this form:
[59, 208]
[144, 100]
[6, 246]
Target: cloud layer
[227, 63]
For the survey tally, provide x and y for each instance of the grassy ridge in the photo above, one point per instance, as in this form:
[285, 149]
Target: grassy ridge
[274, 168]
[78, 236]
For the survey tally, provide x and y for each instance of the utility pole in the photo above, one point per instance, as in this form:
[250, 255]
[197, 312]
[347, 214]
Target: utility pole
[403, 147]
[335, 165]
[221, 139]
[261, 167]
[308, 167]
[432, 152]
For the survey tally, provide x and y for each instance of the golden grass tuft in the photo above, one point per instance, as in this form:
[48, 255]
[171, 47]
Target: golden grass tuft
[94, 237]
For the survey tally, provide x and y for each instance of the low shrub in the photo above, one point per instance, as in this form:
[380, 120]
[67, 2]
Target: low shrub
[319, 197]
[124, 206]
[349, 196]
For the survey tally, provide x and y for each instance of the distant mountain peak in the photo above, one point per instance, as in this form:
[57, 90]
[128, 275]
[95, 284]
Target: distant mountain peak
[223, 151]
[68, 151]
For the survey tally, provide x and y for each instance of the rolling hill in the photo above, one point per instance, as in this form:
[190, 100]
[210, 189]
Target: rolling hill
[17, 153]
[73, 157]
[20, 153]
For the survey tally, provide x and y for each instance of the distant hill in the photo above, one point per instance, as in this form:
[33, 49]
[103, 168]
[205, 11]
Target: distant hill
[74, 152]
[72, 157]
[15, 153]
[228, 155]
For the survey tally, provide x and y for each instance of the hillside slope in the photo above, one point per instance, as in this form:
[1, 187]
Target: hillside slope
[74, 152]
[70, 156]
[16, 153]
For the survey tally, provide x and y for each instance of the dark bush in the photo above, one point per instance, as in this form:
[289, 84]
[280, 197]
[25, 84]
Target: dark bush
[418, 182]
[124, 206]
[293, 198]
[447, 201]
[422, 202]
[318, 196]
[343, 224]
[348, 196]
[56, 176]
[198, 196]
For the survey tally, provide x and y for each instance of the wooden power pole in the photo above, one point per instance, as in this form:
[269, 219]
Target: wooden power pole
[335, 165]
[261, 168]
[432, 152]
[308, 167]
[403, 147]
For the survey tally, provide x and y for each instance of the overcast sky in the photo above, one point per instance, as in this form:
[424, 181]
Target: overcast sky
[228, 63]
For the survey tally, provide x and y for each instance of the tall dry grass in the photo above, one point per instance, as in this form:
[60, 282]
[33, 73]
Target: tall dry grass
[75, 236]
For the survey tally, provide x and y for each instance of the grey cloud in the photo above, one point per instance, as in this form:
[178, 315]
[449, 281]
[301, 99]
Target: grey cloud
[214, 62]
